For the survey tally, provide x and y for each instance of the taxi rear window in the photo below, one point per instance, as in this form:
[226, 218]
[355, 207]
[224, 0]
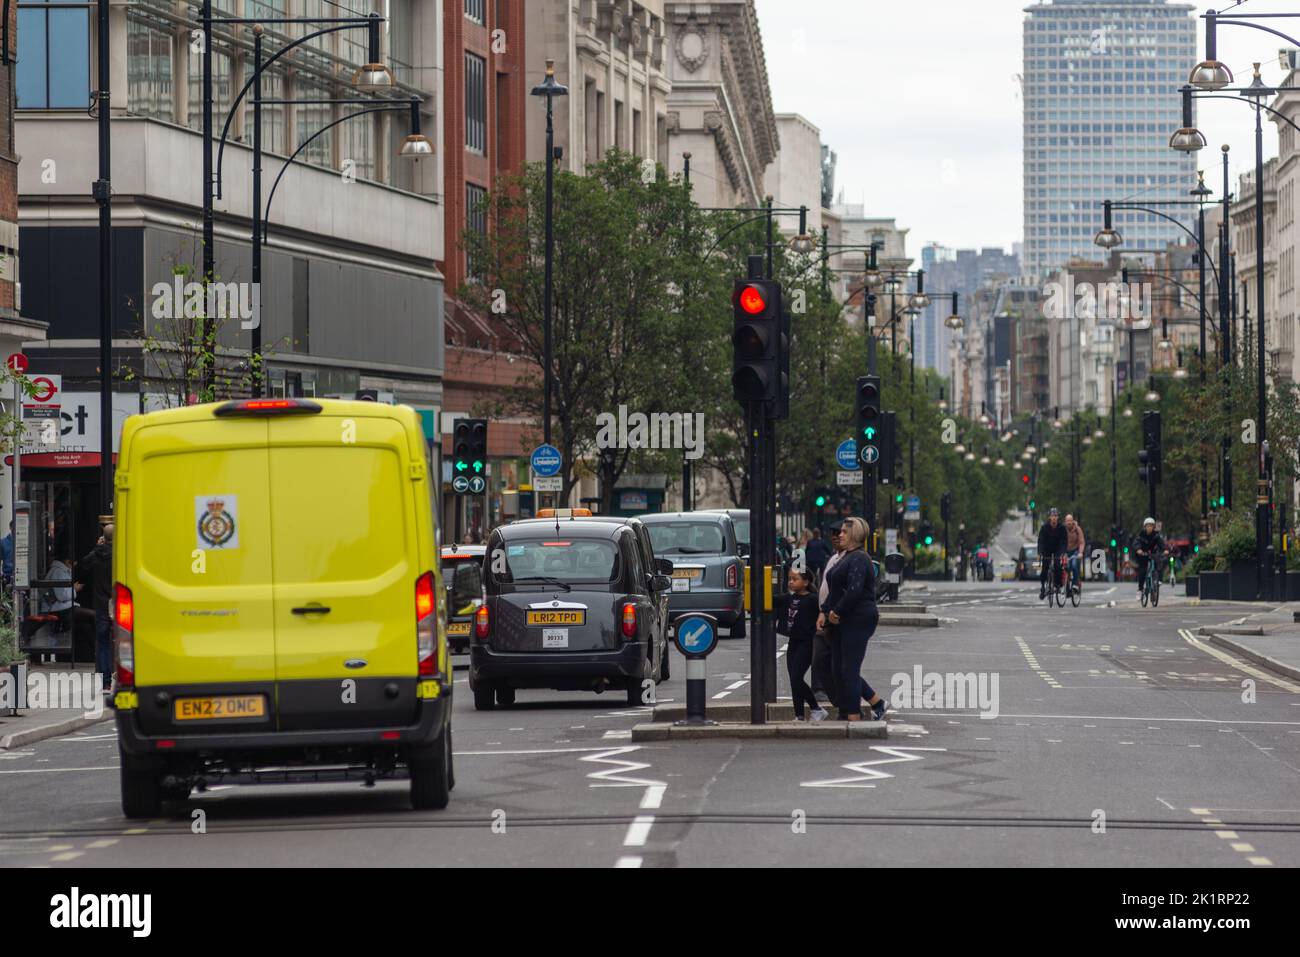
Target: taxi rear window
[686, 538]
[558, 558]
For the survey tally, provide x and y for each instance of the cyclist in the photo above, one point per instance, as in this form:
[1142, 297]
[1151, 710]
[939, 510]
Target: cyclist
[1075, 540]
[1147, 546]
[1052, 544]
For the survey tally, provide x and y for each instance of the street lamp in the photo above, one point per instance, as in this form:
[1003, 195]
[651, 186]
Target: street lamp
[1187, 139]
[919, 299]
[1107, 238]
[954, 321]
[550, 89]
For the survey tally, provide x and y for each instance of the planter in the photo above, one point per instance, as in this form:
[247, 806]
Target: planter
[1213, 586]
[1244, 585]
[1192, 586]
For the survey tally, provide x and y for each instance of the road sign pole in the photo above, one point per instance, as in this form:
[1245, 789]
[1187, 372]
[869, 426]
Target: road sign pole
[755, 422]
[769, 558]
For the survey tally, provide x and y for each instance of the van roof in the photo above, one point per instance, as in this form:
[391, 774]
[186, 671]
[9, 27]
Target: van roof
[208, 411]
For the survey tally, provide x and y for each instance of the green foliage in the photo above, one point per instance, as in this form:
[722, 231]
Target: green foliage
[1234, 542]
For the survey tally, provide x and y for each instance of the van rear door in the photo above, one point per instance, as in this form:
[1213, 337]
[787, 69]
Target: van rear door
[346, 557]
[198, 525]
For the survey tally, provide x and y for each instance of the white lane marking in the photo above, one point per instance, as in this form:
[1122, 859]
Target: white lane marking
[626, 735]
[67, 856]
[736, 686]
[88, 737]
[653, 797]
[103, 842]
[1216, 824]
[628, 862]
[617, 776]
[477, 754]
[1238, 664]
[1096, 717]
[639, 830]
[108, 767]
[865, 771]
[721, 694]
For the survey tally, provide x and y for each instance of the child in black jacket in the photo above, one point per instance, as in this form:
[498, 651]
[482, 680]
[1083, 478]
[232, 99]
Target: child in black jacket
[797, 621]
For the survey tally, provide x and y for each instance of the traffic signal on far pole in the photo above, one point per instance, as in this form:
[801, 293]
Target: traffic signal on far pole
[945, 506]
[869, 434]
[1151, 442]
[469, 448]
[757, 340]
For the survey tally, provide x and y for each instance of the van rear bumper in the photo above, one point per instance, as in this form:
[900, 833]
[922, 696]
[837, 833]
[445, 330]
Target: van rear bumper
[433, 717]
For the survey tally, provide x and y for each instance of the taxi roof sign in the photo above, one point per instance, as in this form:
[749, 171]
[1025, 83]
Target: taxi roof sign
[564, 513]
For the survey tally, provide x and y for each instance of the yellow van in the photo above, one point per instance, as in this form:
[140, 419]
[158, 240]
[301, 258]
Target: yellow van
[276, 601]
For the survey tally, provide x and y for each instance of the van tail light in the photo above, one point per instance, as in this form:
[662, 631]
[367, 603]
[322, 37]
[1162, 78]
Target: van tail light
[629, 620]
[124, 635]
[733, 576]
[482, 622]
[426, 625]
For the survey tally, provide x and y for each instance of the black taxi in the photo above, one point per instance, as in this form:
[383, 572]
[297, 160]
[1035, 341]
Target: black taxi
[571, 603]
[462, 577]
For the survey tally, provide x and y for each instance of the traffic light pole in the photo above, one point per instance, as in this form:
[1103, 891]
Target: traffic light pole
[755, 424]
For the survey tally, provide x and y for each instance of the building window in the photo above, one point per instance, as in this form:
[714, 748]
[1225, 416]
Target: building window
[312, 118]
[149, 68]
[272, 80]
[53, 57]
[475, 217]
[475, 103]
[476, 10]
[357, 138]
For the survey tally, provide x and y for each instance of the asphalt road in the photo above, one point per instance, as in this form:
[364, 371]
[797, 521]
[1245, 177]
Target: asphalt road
[1114, 711]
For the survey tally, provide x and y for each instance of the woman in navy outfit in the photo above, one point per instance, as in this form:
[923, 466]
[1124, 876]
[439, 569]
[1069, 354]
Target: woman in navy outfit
[850, 608]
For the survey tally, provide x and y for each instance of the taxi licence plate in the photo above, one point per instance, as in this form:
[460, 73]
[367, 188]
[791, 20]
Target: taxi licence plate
[566, 617]
[220, 707]
[690, 574]
[458, 628]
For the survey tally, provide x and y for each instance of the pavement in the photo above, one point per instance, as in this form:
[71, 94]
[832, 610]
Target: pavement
[1269, 638]
[34, 724]
[1107, 735]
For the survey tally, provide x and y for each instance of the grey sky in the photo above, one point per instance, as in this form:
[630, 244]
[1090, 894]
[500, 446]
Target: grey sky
[921, 101]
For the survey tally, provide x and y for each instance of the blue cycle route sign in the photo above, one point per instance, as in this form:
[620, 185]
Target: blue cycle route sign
[847, 454]
[547, 461]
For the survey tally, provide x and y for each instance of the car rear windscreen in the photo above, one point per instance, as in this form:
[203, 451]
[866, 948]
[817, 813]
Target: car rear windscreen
[568, 560]
[687, 538]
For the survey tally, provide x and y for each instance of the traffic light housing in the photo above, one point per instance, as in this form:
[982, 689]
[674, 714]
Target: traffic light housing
[870, 427]
[945, 506]
[1151, 446]
[758, 341]
[888, 471]
[470, 448]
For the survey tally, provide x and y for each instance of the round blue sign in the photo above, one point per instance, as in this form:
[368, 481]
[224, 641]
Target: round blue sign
[847, 454]
[695, 635]
[547, 461]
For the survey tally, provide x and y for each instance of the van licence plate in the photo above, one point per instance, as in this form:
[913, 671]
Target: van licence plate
[458, 628]
[221, 707]
[538, 619]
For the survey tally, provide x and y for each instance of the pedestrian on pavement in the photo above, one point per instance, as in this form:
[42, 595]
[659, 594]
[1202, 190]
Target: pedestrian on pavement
[796, 619]
[7, 554]
[851, 609]
[825, 684]
[817, 554]
[99, 564]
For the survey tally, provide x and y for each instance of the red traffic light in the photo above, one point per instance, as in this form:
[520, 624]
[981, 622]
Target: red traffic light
[1025, 479]
[752, 300]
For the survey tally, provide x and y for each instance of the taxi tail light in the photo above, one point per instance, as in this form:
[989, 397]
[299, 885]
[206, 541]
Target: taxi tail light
[629, 620]
[124, 635]
[482, 622]
[733, 576]
[426, 624]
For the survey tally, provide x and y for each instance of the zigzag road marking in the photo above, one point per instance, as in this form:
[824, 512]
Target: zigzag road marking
[617, 776]
[866, 771]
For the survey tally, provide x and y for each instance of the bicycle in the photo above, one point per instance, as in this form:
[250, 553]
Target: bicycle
[1073, 584]
[1054, 591]
[1151, 584]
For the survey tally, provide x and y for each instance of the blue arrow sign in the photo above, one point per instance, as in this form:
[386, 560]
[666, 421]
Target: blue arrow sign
[547, 461]
[847, 454]
[696, 635]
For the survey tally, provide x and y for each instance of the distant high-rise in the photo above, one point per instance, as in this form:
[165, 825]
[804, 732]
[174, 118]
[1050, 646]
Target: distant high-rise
[1101, 80]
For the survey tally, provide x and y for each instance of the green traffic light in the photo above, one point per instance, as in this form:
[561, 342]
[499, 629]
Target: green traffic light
[478, 466]
[929, 539]
[1113, 543]
[820, 501]
[1125, 549]
[1196, 549]
[898, 500]
[461, 466]
[869, 432]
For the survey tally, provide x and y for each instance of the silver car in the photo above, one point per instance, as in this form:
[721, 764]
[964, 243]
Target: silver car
[708, 570]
